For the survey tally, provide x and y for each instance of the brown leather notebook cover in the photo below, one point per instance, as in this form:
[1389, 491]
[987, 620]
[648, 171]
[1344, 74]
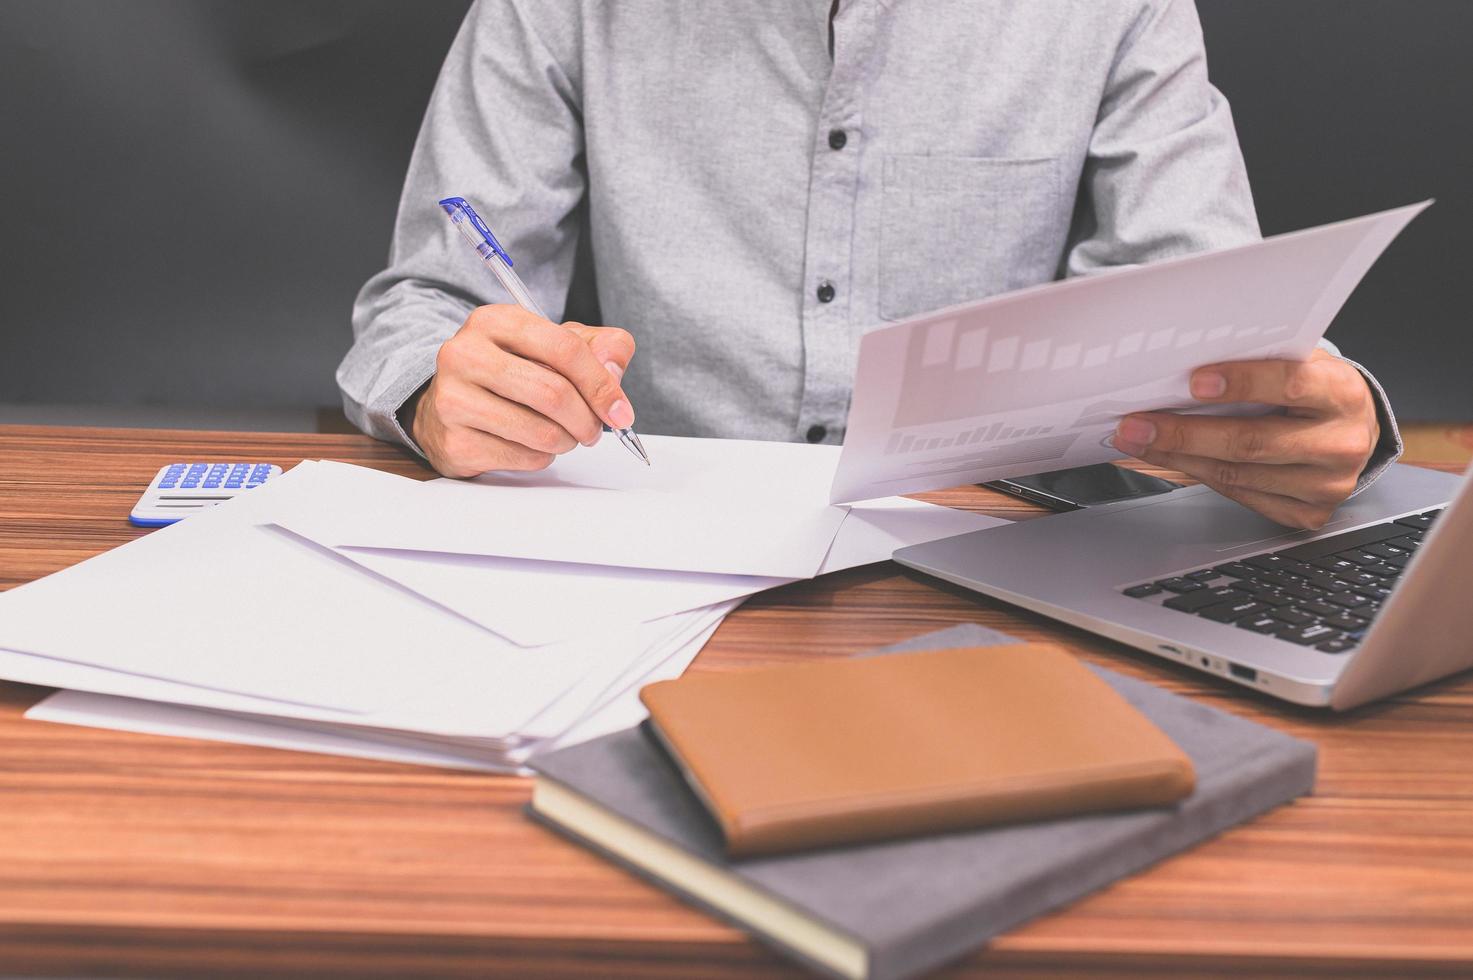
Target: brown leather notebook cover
[811, 755]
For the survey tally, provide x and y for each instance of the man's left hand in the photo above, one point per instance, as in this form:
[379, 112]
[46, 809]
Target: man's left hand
[1293, 467]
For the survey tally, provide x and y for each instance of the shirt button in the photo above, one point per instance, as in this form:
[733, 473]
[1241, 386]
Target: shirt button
[816, 433]
[837, 139]
[825, 292]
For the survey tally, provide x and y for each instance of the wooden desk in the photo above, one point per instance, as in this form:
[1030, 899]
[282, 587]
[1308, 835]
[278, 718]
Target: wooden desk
[130, 855]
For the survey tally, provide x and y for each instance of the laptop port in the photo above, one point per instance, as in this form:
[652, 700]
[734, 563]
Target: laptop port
[1243, 673]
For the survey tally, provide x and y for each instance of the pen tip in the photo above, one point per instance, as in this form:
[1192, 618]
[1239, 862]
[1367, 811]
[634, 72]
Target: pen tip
[639, 449]
[631, 442]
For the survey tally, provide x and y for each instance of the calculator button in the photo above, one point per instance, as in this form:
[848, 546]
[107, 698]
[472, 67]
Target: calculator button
[212, 483]
[169, 484]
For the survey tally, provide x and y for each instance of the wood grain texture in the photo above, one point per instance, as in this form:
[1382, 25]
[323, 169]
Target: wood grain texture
[132, 855]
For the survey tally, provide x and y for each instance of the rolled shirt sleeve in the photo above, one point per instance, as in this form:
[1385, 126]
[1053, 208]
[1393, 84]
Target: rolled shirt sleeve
[502, 130]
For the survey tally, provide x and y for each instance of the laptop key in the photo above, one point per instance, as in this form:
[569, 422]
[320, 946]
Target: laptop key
[1382, 549]
[1277, 579]
[1344, 621]
[1308, 635]
[1334, 563]
[1226, 612]
[1180, 585]
[1348, 600]
[1292, 616]
[1323, 580]
[1308, 593]
[1340, 542]
[1419, 521]
[1192, 601]
[1259, 624]
[1269, 563]
[1234, 569]
[1320, 608]
[1201, 575]
[1141, 591]
[1335, 646]
[1359, 558]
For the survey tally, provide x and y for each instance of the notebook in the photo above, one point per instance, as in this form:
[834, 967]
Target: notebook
[841, 751]
[895, 908]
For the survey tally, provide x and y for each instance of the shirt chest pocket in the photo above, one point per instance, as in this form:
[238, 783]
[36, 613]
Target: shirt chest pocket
[955, 229]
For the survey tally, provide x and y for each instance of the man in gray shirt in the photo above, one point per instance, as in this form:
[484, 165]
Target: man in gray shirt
[757, 188]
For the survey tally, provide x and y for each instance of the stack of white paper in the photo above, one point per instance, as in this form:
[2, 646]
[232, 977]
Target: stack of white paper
[469, 624]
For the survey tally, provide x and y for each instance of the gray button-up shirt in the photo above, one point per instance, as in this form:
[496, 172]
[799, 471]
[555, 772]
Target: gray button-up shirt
[762, 184]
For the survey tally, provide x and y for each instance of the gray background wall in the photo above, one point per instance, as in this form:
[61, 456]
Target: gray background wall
[191, 191]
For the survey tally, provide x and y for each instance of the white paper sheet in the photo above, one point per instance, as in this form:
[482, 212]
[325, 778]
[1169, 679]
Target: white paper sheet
[685, 632]
[544, 689]
[158, 718]
[617, 709]
[720, 506]
[1037, 379]
[623, 710]
[227, 608]
[528, 602]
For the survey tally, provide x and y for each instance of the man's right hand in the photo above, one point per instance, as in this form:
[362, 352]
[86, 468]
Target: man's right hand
[512, 391]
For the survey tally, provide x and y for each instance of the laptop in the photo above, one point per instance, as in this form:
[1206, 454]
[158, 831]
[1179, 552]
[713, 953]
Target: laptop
[1375, 602]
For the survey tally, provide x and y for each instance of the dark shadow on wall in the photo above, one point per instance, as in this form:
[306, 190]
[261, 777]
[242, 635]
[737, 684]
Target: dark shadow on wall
[194, 190]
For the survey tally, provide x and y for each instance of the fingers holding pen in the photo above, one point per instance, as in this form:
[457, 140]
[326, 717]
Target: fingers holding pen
[465, 430]
[512, 391]
[612, 346]
[569, 355]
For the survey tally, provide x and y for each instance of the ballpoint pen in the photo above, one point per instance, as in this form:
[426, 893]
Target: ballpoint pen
[475, 231]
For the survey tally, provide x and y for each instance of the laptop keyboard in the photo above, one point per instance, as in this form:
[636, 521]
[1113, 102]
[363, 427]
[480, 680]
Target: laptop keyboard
[1323, 594]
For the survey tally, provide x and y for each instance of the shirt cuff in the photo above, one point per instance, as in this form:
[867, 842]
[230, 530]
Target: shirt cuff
[1390, 447]
[403, 424]
[384, 412]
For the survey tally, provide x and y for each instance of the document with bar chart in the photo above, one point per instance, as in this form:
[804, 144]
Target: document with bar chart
[1036, 380]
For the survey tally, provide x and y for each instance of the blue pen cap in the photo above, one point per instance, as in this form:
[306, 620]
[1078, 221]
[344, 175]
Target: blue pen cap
[473, 228]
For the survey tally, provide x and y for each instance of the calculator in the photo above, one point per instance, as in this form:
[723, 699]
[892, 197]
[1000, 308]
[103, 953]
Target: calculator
[181, 489]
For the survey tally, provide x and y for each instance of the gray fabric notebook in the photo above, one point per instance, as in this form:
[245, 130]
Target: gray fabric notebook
[897, 908]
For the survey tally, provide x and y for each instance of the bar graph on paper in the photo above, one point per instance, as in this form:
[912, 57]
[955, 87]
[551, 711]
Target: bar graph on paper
[901, 442]
[951, 366]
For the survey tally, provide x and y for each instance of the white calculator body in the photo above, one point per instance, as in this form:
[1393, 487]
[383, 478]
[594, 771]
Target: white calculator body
[181, 489]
